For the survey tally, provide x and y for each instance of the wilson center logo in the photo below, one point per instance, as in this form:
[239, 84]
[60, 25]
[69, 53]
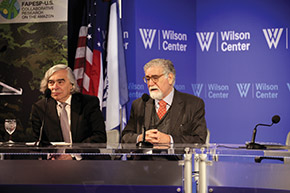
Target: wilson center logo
[147, 36]
[204, 39]
[227, 41]
[259, 90]
[273, 36]
[167, 40]
[196, 89]
[243, 89]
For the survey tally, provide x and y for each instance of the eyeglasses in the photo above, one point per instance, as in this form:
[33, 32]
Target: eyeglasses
[154, 78]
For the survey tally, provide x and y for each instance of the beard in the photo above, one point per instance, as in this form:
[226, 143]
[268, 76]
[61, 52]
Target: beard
[155, 93]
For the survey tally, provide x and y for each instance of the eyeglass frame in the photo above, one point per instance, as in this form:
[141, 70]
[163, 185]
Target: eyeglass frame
[154, 78]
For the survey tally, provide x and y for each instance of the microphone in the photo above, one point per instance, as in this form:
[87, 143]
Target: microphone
[144, 143]
[47, 94]
[252, 144]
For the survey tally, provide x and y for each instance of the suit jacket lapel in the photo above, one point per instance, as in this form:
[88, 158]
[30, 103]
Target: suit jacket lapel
[51, 130]
[176, 108]
[75, 109]
[51, 108]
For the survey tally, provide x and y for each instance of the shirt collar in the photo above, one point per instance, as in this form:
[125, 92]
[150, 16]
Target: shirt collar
[68, 101]
[168, 99]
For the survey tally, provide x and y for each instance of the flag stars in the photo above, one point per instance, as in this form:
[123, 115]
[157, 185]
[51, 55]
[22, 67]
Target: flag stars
[89, 36]
[89, 25]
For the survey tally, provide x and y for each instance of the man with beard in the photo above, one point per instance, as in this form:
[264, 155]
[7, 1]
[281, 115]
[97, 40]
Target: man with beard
[170, 116]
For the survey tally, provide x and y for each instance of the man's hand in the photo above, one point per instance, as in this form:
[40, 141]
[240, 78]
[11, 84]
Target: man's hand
[155, 137]
[61, 157]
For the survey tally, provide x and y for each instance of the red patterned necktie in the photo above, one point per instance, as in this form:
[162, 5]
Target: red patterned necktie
[162, 109]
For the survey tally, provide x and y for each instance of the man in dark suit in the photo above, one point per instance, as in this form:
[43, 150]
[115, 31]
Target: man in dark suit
[170, 116]
[84, 118]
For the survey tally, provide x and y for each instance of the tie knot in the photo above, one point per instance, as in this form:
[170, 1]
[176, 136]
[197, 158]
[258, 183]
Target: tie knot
[162, 103]
[63, 105]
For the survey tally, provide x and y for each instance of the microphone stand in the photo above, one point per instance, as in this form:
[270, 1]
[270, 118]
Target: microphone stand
[253, 144]
[39, 142]
[144, 143]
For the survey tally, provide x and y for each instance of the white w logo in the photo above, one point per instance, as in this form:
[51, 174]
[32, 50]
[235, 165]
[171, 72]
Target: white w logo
[147, 36]
[204, 39]
[243, 89]
[196, 88]
[273, 36]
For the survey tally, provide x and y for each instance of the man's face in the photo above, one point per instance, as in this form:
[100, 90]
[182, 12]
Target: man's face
[159, 85]
[59, 85]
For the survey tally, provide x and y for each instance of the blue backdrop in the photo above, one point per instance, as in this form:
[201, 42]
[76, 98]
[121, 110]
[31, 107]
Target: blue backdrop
[232, 54]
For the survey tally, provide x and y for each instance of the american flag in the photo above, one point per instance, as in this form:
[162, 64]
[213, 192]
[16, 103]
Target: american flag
[88, 67]
[99, 68]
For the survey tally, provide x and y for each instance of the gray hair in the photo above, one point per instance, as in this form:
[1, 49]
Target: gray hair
[167, 66]
[55, 68]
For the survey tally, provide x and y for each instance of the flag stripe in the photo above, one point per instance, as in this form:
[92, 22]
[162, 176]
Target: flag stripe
[83, 31]
[80, 53]
[79, 73]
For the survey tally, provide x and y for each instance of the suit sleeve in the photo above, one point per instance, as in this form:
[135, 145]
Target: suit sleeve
[132, 129]
[193, 130]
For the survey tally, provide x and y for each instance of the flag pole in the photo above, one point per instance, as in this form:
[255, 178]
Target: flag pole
[120, 9]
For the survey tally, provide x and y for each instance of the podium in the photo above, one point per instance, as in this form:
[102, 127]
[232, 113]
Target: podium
[125, 168]
[122, 168]
[235, 169]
